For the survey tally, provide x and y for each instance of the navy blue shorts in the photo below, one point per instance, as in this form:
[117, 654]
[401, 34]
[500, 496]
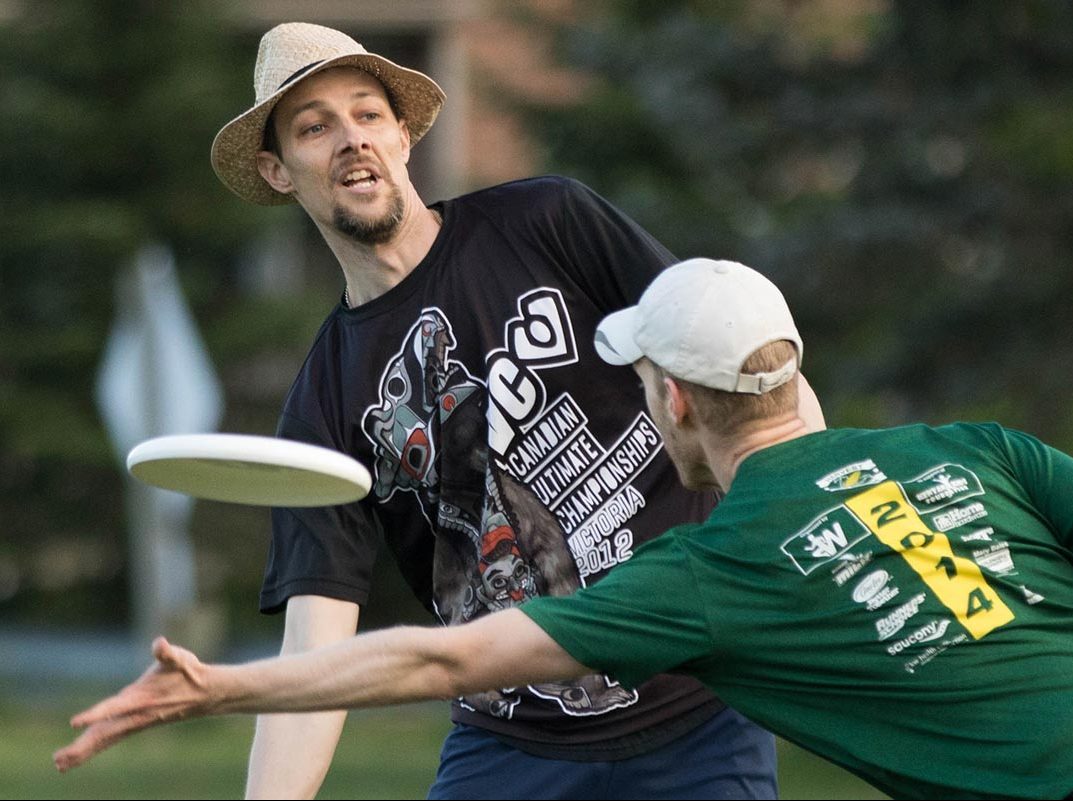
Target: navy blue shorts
[726, 757]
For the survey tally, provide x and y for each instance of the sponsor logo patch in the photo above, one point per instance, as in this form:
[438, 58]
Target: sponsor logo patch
[870, 586]
[849, 566]
[873, 590]
[852, 476]
[996, 559]
[932, 651]
[929, 632]
[826, 538]
[980, 535]
[890, 625]
[959, 516]
[942, 486]
[1031, 597]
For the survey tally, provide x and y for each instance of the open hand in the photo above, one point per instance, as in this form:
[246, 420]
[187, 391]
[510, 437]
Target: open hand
[175, 687]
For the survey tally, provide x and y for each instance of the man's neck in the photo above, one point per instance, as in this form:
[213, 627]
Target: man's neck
[725, 455]
[372, 270]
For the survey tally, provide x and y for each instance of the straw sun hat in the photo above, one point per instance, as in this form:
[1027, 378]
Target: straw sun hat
[292, 52]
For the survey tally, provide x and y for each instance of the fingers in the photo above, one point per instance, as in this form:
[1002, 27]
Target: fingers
[73, 755]
[100, 711]
[171, 689]
[158, 686]
[112, 720]
[97, 738]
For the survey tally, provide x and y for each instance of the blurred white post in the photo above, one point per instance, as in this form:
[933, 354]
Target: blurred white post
[155, 379]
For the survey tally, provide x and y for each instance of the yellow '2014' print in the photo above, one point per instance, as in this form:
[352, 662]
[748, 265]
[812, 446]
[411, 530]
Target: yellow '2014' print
[957, 582]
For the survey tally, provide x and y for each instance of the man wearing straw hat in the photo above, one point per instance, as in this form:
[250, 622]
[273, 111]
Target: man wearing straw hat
[509, 461]
[898, 601]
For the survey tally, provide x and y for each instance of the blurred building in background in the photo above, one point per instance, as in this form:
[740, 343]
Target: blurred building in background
[485, 54]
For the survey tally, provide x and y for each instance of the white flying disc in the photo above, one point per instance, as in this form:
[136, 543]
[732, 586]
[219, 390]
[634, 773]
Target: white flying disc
[238, 468]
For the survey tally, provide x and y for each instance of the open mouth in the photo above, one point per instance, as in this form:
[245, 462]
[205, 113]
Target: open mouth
[360, 179]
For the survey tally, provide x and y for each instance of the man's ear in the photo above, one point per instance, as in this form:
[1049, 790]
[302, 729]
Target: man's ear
[679, 404]
[274, 171]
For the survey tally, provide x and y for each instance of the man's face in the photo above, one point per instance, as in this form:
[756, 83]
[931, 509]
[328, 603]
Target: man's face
[682, 444]
[343, 154]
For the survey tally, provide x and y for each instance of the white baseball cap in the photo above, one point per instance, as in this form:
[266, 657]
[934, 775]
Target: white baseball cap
[700, 320]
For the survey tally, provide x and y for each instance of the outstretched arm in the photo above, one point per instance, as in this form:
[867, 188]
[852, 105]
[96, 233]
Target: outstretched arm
[376, 669]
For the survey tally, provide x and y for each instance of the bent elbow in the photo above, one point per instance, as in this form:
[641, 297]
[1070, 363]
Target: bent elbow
[451, 685]
[447, 668]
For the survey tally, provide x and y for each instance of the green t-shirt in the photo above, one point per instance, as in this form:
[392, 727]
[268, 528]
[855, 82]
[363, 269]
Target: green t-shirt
[899, 602]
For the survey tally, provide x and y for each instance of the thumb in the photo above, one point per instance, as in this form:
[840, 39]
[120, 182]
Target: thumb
[175, 658]
[164, 651]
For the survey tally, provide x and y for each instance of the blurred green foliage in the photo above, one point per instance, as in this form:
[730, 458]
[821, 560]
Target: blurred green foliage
[110, 107]
[109, 110]
[902, 169]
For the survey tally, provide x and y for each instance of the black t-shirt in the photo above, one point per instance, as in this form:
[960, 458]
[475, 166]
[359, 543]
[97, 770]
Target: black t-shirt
[508, 460]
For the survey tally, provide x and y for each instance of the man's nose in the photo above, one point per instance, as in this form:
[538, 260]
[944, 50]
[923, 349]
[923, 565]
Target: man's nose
[353, 137]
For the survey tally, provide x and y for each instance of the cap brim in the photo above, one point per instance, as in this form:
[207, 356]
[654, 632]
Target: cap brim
[614, 341]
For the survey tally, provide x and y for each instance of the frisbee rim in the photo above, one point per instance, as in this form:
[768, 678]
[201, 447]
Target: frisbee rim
[255, 451]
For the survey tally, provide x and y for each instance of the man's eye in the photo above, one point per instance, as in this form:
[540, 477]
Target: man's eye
[315, 128]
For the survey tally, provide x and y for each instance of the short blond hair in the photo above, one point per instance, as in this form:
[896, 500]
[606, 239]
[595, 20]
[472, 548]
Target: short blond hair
[724, 412]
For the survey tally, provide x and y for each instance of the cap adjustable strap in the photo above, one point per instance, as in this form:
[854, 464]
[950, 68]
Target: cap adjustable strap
[759, 383]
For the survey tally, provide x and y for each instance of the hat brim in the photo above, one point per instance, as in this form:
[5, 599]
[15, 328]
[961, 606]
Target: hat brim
[417, 98]
[615, 338]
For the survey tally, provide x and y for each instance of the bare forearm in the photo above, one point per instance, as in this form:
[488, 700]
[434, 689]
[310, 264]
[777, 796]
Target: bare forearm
[396, 666]
[291, 754]
[376, 669]
[386, 667]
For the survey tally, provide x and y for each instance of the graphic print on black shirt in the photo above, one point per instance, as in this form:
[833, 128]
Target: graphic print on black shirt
[495, 548]
[519, 407]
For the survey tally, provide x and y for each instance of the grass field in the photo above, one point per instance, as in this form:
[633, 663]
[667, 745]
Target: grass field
[383, 754]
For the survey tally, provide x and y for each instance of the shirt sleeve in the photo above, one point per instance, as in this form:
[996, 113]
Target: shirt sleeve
[640, 620]
[328, 551]
[608, 254]
[1046, 474]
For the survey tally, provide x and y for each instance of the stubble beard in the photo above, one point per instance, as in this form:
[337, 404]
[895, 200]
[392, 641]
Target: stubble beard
[371, 231]
[693, 470]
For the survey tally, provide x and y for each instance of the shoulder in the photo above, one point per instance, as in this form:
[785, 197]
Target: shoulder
[911, 433]
[542, 192]
[976, 434]
[326, 339]
[996, 437]
[320, 357]
[966, 440]
[672, 549]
